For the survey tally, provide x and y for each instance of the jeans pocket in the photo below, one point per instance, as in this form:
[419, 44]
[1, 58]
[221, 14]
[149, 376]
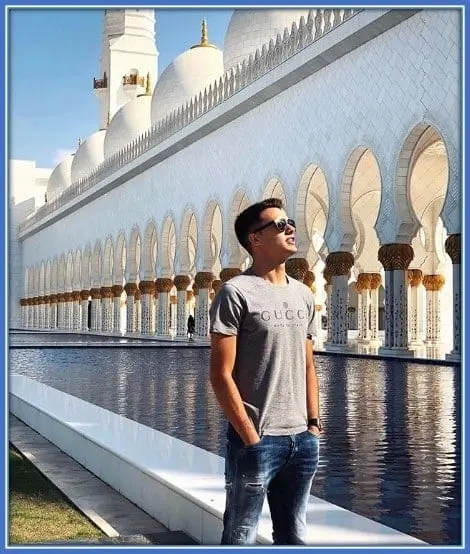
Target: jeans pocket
[253, 446]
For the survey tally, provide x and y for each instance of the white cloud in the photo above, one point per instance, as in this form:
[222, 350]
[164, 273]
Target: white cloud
[61, 154]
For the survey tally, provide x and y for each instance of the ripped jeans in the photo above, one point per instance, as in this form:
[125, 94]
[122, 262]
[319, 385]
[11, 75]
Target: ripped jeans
[281, 466]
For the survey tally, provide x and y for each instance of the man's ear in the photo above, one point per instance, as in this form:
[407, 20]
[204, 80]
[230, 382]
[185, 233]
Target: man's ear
[253, 239]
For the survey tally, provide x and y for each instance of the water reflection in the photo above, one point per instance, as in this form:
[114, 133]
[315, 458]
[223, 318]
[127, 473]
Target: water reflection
[391, 447]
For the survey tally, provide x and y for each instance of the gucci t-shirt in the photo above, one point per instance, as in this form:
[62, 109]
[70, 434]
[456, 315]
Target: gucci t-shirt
[271, 323]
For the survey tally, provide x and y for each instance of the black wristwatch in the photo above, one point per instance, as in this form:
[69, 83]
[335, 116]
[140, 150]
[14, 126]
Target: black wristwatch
[314, 422]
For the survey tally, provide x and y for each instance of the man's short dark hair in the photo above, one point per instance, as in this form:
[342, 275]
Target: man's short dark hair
[249, 219]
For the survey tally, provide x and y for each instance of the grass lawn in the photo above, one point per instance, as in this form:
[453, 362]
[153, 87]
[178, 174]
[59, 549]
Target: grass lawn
[39, 512]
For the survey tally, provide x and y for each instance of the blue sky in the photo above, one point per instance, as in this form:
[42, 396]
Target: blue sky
[53, 57]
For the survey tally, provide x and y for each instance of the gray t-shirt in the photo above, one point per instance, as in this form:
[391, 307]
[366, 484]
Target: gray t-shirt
[272, 323]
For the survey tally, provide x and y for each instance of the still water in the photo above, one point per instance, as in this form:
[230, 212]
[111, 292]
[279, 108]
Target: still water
[391, 446]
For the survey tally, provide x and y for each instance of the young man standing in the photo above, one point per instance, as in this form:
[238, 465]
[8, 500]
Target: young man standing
[263, 375]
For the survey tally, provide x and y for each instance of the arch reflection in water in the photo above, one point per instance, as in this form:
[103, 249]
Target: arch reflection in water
[391, 446]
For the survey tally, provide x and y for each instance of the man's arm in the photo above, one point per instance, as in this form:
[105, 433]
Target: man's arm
[313, 395]
[222, 362]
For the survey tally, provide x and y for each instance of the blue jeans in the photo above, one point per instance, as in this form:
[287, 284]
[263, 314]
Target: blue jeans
[281, 466]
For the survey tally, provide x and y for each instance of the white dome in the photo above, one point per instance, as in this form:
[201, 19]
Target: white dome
[88, 156]
[186, 76]
[60, 178]
[250, 29]
[131, 121]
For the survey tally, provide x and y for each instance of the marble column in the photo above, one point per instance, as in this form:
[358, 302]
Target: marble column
[47, 312]
[131, 326]
[297, 268]
[196, 309]
[203, 282]
[415, 277]
[173, 315]
[23, 313]
[54, 308]
[329, 317]
[396, 259]
[76, 311]
[84, 299]
[138, 310]
[453, 248]
[61, 311]
[95, 294]
[363, 308]
[68, 310]
[181, 283]
[31, 312]
[106, 309]
[375, 280]
[433, 285]
[339, 265]
[117, 292]
[36, 312]
[41, 312]
[163, 286]
[147, 289]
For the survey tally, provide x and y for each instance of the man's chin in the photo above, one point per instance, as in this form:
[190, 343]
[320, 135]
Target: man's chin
[291, 249]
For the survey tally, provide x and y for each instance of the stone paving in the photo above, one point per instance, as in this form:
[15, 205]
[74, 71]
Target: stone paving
[120, 520]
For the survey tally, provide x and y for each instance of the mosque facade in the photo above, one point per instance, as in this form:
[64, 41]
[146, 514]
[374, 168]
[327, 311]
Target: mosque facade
[352, 117]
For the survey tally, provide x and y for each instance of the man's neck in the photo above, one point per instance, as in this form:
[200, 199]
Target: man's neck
[275, 274]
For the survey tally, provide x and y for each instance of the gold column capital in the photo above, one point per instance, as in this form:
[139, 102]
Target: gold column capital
[216, 284]
[339, 263]
[84, 294]
[54, 298]
[95, 293]
[204, 279]
[137, 294]
[147, 287]
[106, 292]
[76, 295]
[415, 277]
[130, 288]
[297, 268]
[395, 257]
[163, 284]
[117, 290]
[375, 280]
[309, 278]
[228, 272]
[363, 282]
[182, 282]
[433, 282]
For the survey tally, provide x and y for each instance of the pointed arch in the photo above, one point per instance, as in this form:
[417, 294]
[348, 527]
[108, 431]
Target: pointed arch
[149, 254]
[108, 262]
[212, 237]
[188, 243]
[134, 256]
[120, 258]
[237, 254]
[168, 247]
[96, 265]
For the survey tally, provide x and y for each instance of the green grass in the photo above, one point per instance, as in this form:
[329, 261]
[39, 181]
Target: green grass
[39, 512]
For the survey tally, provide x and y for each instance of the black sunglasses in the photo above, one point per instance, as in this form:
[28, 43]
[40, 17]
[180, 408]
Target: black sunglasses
[280, 224]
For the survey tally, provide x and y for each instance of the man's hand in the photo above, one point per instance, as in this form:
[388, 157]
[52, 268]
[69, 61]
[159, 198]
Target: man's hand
[314, 430]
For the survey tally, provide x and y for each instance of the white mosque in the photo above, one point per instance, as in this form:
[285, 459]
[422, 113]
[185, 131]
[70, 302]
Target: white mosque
[352, 117]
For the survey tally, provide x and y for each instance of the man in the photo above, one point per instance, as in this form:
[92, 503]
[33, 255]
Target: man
[263, 375]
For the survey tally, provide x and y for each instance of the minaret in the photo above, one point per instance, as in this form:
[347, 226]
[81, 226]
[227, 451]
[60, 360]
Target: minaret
[128, 55]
